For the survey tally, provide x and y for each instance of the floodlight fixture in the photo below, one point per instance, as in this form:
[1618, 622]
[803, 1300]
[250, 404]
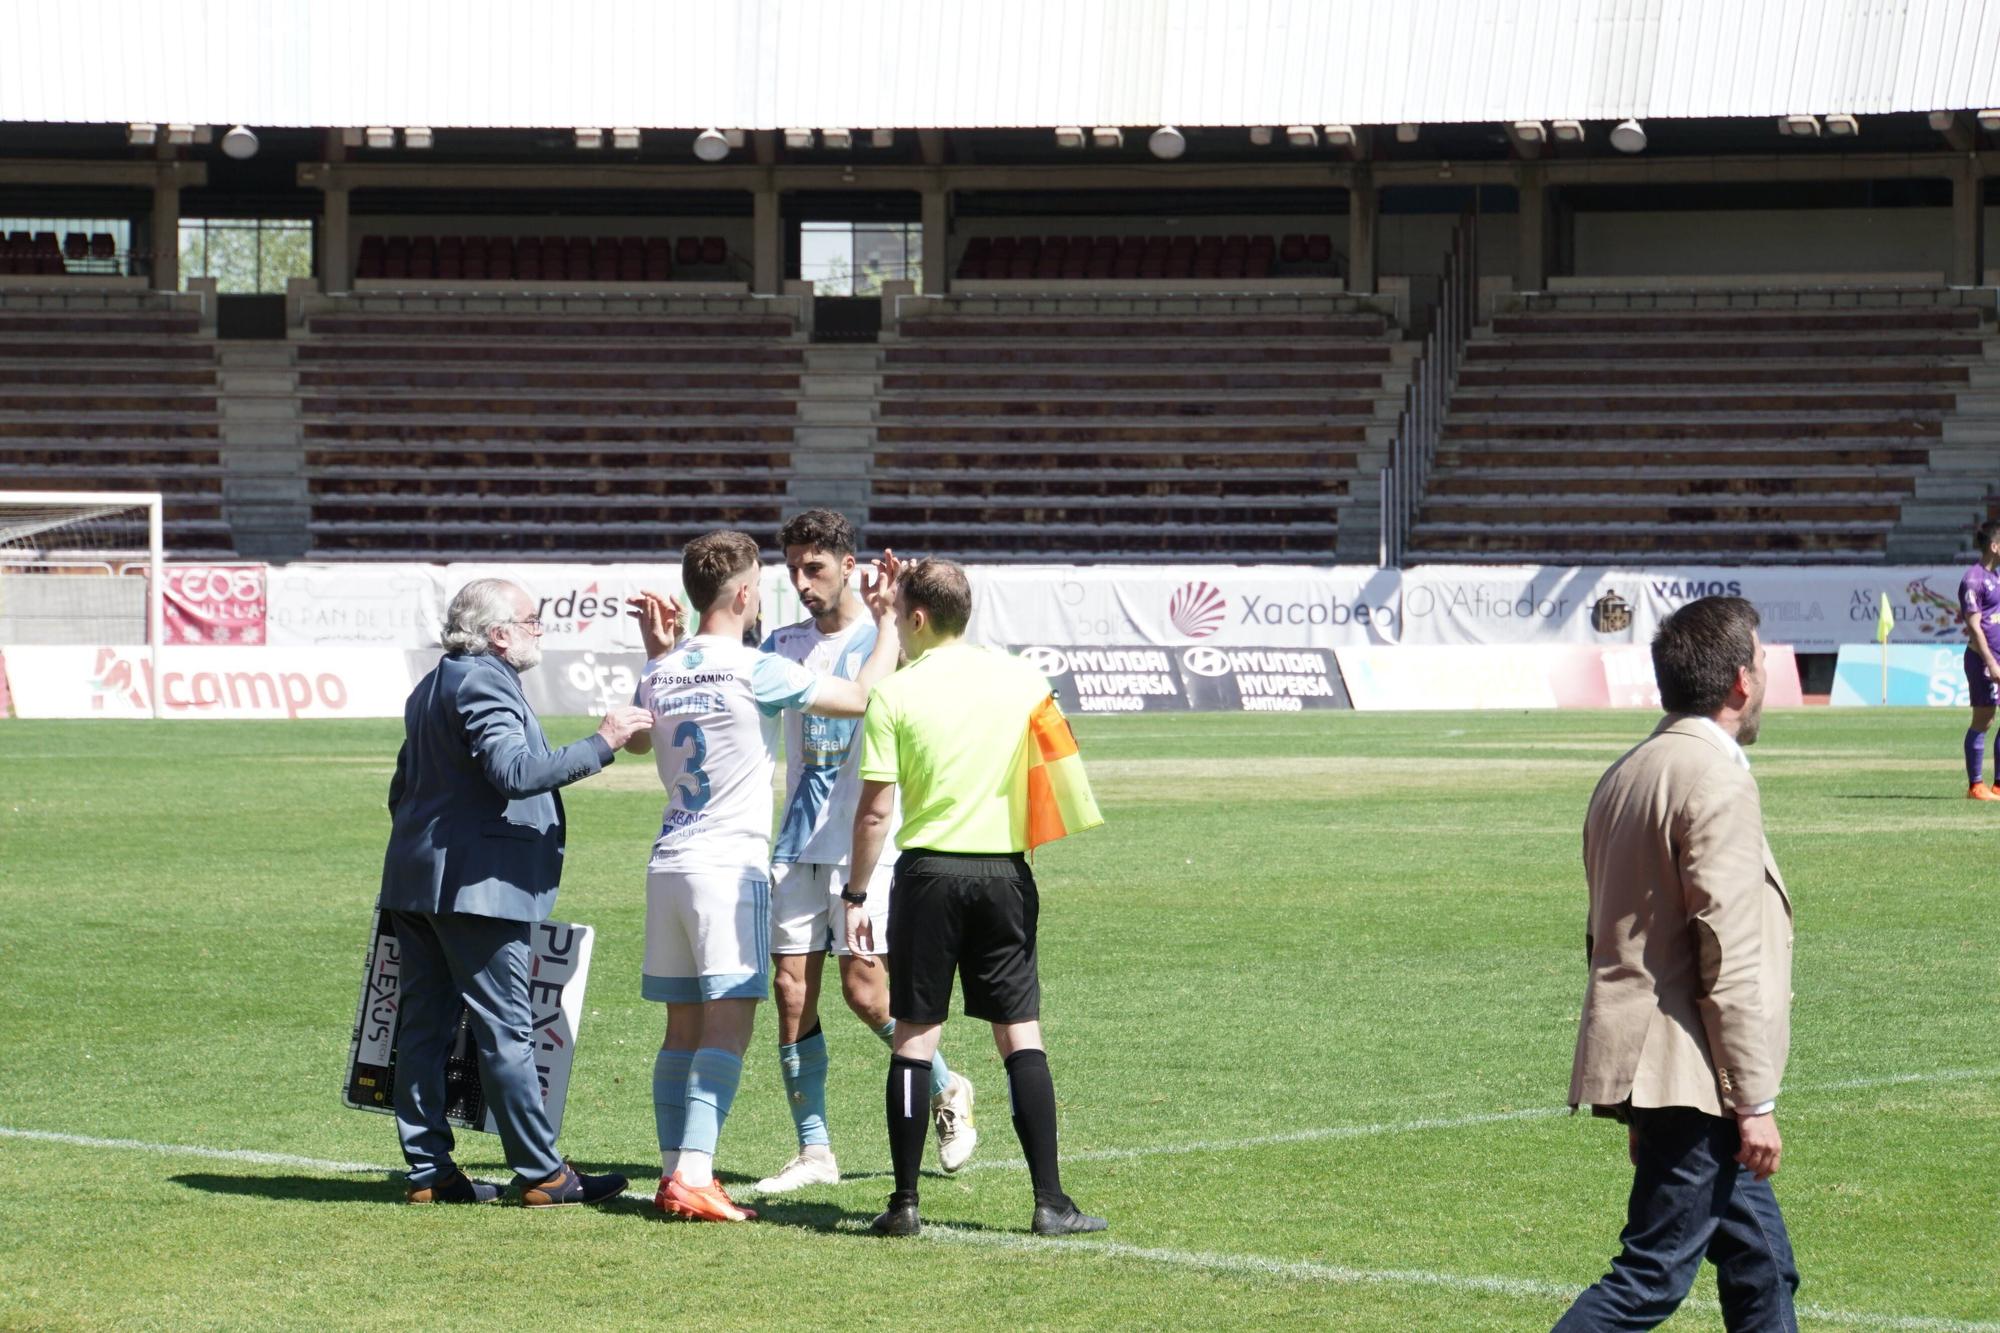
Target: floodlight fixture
[180, 134]
[625, 138]
[381, 136]
[1530, 131]
[881, 138]
[1990, 121]
[141, 134]
[1069, 136]
[1302, 136]
[1943, 120]
[711, 146]
[1406, 133]
[1628, 136]
[736, 139]
[1567, 131]
[1339, 136]
[240, 143]
[589, 138]
[1107, 136]
[1799, 127]
[1167, 143]
[418, 137]
[351, 137]
[1842, 126]
[838, 141]
[1261, 135]
[799, 139]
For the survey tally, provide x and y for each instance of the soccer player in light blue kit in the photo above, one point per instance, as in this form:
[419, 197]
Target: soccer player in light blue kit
[716, 705]
[809, 865]
[1979, 607]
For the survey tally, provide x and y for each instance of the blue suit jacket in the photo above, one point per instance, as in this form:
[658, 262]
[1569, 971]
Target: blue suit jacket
[478, 826]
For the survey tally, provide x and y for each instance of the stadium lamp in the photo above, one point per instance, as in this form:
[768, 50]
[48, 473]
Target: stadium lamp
[240, 143]
[1069, 136]
[180, 134]
[141, 134]
[1843, 126]
[625, 138]
[711, 146]
[1261, 135]
[589, 139]
[1530, 131]
[418, 137]
[799, 139]
[1567, 131]
[1406, 133]
[1167, 143]
[1339, 136]
[1990, 121]
[1301, 136]
[1802, 127]
[381, 136]
[881, 138]
[837, 141]
[1107, 136]
[1943, 120]
[1628, 136]
[736, 139]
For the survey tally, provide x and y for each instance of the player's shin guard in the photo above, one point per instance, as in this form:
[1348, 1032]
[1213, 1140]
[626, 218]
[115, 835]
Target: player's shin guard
[1975, 756]
[909, 1108]
[803, 1067]
[1033, 1093]
[670, 1083]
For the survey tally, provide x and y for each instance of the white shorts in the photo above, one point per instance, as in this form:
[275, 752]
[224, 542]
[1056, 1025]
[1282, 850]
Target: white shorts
[807, 915]
[707, 937]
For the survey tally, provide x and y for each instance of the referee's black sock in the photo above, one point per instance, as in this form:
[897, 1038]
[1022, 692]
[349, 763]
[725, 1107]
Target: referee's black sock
[1033, 1093]
[909, 1106]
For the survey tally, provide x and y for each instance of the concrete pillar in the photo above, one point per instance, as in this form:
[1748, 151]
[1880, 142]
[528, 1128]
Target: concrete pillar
[167, 229]
[335, 256]
[1364, 212]
[766, 252]
[1531, 261]
[937, 241]
[1968, 232]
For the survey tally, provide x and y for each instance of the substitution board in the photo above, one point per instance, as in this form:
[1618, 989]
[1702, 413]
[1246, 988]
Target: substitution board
[556, 979]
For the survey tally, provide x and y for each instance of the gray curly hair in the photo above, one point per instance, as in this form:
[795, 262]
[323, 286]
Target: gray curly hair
[478, 607]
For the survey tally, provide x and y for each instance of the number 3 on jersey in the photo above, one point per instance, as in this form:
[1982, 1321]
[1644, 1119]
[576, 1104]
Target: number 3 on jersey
[696, 781]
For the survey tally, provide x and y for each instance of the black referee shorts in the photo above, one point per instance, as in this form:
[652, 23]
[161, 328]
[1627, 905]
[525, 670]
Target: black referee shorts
[970, 914]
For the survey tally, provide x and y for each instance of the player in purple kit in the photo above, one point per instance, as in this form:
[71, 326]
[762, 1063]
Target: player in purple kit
[1979, 607]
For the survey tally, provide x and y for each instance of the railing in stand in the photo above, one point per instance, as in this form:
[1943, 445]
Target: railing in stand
[1433, 378]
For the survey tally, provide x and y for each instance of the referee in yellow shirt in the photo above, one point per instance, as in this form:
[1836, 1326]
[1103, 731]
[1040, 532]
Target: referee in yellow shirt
[950, 728]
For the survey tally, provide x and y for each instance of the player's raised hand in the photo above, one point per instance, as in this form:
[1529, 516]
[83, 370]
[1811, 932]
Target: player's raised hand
[624, 722]
[660, 622]
[878, 589]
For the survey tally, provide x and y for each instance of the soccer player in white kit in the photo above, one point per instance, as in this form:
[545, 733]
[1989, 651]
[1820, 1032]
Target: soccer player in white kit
[715, 705]
[809, 865]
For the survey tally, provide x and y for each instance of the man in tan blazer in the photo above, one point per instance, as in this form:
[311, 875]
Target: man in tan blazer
[1687, 1017]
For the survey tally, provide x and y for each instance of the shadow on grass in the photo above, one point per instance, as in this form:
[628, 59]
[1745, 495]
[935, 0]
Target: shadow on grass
[1890, 796]
[300, 1189]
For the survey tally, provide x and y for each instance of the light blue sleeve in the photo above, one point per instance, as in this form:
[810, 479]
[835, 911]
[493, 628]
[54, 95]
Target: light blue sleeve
[778, 683]
[858, 648]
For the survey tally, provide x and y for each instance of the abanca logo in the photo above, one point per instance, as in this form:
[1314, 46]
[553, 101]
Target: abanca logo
[1197, 609]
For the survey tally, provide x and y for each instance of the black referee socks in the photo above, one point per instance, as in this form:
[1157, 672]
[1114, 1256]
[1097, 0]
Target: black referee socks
[1033, 1092]
[909, 1107]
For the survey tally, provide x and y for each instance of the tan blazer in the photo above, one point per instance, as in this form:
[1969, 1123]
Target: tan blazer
[1690, 932]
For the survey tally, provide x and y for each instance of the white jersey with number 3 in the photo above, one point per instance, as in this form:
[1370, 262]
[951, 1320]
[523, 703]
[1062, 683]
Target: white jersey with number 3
[715, 706]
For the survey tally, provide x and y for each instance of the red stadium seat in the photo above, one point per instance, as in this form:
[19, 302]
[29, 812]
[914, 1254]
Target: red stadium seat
[1319, 249]
[1003, 248]
[604, 259]
[1292, 249]
[714, 250]
[687, 251]
[631, 259]
[396, 257]
[659, 259]
[500, 258]
[369, 264]
[472, 259]
[76, 246]
[102, 246]
[423, 257]
[576, 257]
[978, 247]
[450, 258]
[554, 269]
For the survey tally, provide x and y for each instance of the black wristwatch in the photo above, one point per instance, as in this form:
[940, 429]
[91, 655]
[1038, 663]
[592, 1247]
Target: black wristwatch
[854, 899]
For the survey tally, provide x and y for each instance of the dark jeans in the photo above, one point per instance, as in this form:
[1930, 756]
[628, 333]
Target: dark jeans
[1690, 1200]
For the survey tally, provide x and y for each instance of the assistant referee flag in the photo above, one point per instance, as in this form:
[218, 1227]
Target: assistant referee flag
[1059, 799]
[1886, 624]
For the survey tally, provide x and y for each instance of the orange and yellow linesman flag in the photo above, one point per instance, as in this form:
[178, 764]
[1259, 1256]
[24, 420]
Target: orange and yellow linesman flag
[1059, 799]
[1885, 625]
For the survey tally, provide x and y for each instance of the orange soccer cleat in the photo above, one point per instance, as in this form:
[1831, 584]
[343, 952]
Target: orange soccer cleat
[706, 1203]
[1981, 792]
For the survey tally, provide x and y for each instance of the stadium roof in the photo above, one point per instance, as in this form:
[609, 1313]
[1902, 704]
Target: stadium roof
[970, 64]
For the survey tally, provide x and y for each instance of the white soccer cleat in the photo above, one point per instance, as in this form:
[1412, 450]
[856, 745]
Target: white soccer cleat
[951, 1112]
[813, 1166]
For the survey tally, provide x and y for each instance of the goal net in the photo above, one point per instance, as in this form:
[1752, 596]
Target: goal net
[81, 568]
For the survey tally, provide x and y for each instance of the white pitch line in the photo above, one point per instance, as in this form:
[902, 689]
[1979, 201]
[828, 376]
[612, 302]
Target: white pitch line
[192, 1150]
[1306, 1270]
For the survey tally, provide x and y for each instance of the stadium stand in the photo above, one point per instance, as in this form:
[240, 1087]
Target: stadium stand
[1791, 434]
[445, 435]
[623, 259]
[1130, 437]
[1145, 258]
[37, 254]
[116, 400]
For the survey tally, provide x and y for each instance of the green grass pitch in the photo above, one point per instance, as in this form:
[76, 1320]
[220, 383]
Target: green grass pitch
[1310, 998]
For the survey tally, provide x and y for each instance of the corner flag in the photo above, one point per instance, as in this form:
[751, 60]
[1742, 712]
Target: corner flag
[1059, 798]
[1886, 625]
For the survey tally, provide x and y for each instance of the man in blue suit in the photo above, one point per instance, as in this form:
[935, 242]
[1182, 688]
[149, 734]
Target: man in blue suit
[475, 855]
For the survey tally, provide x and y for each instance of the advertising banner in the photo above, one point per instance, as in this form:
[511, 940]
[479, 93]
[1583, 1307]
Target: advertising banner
[1526, 676]
[558, 974]
[1201, 678]
[1919, 677]
[1171, 605]
[233, 683]
[213, 604]
[566, 683]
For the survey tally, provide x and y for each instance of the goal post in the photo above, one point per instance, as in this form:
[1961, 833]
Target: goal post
[70, 567]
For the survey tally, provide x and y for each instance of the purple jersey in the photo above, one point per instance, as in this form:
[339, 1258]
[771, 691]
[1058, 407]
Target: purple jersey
[1979, 604]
